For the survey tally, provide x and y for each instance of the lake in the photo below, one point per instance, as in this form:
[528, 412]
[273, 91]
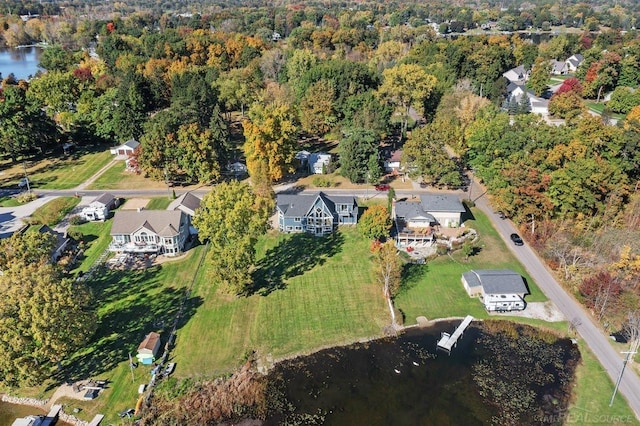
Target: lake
[404, 381]
[21, 62]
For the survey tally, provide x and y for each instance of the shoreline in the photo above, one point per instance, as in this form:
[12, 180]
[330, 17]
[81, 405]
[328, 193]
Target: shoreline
[41, 404]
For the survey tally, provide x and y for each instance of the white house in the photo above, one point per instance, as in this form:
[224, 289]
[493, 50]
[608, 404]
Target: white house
[517, 75]
[318, 161]
[392, 164]
[150, 231]
[123, 151]
[559, 67]
[499, 289]
[433, 209]
[573, 62]
[100, 208]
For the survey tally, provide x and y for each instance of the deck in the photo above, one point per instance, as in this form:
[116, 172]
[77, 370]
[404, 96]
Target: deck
[448, 341]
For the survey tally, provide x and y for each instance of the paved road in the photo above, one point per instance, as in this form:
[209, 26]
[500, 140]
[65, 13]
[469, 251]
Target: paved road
[572, 310]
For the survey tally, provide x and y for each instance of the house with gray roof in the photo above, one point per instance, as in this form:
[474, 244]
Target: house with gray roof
[498, 289]
[317, 213]
[123, 151]
[517, 75]
[100, 208]
[434, 209]
[559, 67]
[150, 231]
[187, 202]
[573, 62]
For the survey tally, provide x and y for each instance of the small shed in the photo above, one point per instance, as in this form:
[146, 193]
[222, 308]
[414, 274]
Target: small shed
[149, 348]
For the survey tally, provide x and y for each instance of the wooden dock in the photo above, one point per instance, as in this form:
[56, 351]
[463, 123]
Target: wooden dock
[448, 341]
[52, 417]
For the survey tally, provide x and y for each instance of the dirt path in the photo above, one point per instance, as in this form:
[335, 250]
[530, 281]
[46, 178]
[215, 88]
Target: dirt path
[96, 175]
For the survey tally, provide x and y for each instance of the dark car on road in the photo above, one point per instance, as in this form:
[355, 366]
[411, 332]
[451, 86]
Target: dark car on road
[382, 187]
[516, 239]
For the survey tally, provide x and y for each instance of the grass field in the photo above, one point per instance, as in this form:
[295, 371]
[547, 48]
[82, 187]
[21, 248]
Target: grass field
[96, 239]
[115, 177]
[313, 293]
[57, 172]
[159, 203]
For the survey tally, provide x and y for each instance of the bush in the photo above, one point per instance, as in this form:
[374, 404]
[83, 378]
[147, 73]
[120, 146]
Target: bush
[323, 182]
[442, 249]
[76, 220]
[26, 197]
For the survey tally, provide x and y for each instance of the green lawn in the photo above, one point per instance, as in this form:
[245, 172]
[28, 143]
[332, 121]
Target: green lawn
[115, 177]
[599, 108]
[9, 201]
[317, 292]
[65, 173]
[54, 211]
[95, 237]
[159, 203]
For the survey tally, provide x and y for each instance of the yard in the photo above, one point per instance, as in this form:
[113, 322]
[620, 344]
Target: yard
[115, 177]
[56, 172]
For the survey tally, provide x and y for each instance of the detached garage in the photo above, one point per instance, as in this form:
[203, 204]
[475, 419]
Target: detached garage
[148, 349]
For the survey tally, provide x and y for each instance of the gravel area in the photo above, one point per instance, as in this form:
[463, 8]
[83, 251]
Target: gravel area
[546, 311]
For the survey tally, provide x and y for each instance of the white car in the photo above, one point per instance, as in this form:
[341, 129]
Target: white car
[169, 368]
[23, 182]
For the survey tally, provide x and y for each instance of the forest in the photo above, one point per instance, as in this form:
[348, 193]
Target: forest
[210, 84]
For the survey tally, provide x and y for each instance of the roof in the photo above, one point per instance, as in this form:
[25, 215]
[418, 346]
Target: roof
[412, 210]
[396, 156]
[496, 281]
[190, 201]
[131, 143]
[298, 205]
[104, 199]
[442, 203]
[558, 66]
[150, 341]
[165, 223]
[319, 156]
[512, 87]
[516, 74]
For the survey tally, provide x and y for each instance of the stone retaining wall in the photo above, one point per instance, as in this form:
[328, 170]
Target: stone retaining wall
[42, 404]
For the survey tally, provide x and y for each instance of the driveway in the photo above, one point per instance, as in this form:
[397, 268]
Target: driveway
[11, 217]
[599, 344]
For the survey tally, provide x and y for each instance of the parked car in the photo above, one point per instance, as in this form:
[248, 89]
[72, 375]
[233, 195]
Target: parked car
[501, 214]
[516, 239]
[383, 187]
[23, 182]
[126, 413]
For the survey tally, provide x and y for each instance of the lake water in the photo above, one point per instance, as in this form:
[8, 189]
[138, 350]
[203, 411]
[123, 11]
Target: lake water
[21, 62]
[403, 381]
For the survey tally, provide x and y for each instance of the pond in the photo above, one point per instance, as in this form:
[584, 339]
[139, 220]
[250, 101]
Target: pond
[404, 381]
[21, 62]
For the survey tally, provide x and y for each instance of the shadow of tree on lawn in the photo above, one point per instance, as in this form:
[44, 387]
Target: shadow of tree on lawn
[293, 256]
[130, 304]
[411, 275]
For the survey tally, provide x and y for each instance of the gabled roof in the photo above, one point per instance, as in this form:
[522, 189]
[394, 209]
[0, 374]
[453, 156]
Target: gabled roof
[150, 342]
[189, 201]
[515, 74]
[496, 281]
[411, 210]
[442, 203]
[165, 223]
[131, 143]
[396, 156]
[512, 87]
[298, 205]
[575, 60]
[104, 199]
[558, 66]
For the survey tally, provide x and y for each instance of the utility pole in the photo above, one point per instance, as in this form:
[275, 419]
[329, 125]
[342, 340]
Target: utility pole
[166, 180]
[624, 364]
[26, 177]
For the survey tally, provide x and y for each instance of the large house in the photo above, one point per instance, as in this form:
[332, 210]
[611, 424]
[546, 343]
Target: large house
[318, 162]
[150, 231]
[100, 208]
[573, 62]
[316, 213]
[499, 289]
[517, 75]
[416, 221]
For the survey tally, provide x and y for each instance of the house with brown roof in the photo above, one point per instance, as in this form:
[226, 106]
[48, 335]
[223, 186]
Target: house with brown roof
[148, 348]
[150, 231]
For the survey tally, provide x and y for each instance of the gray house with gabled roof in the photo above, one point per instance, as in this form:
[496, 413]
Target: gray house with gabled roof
[437, 209]
[316, 213]
[150, 231]
[499, 289]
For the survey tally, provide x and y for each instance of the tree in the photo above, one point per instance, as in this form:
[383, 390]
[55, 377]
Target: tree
[406, 86]
[317, 115]
[230, 219]
[425, 156]
[270, 138]
[197, 156]
[56, 58]
[566, 105]
[540, 74]
[44, 315]
[387, 266]
[375, 223]
[356, 150]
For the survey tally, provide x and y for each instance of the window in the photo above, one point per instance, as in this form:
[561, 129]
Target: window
[296, 219]
[288, 228]
[298, 228]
